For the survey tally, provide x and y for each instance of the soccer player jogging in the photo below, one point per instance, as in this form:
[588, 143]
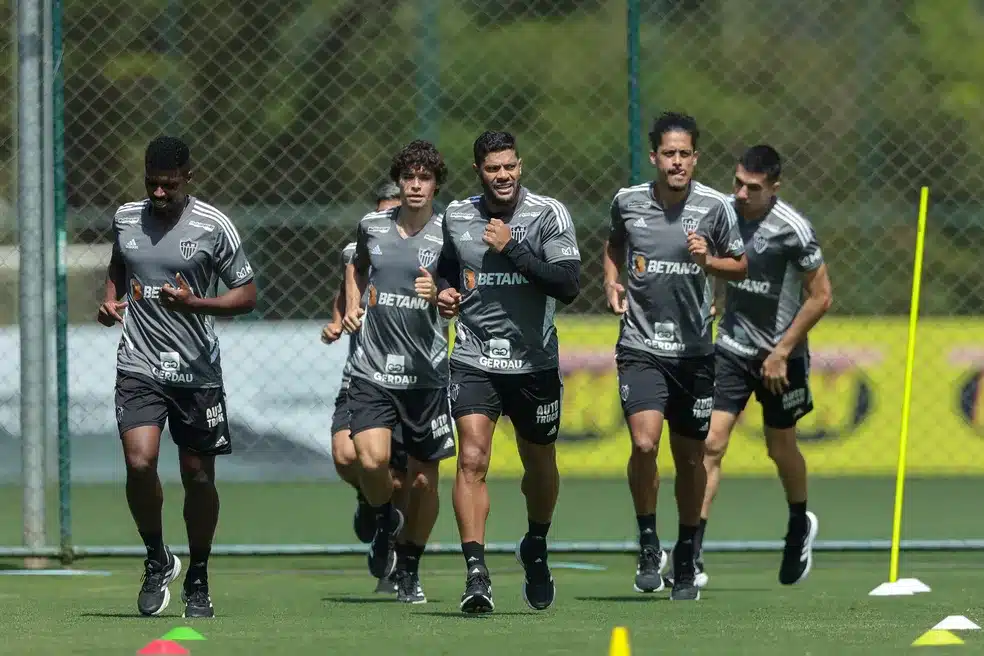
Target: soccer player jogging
[387, 196]
[670, 235]
[762, 345]
[511, 256]
[169, 252]
[400, 366]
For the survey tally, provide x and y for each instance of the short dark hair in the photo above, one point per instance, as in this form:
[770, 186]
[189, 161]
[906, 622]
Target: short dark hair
[419, 154]
[673, 122]
[386, 190]
[492, 141]
[762, 158]
[167, 154]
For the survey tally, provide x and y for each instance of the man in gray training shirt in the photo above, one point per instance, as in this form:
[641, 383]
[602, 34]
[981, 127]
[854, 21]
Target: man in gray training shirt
[762, 344]
[387, 196]
[399, 370]
[169, 252]
[670, 235]
[511, 255]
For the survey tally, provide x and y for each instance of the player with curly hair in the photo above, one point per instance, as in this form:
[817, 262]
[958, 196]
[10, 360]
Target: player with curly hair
[399, 370]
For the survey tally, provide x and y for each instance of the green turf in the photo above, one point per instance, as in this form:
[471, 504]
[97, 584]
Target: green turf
[322, 605]
[747, 509]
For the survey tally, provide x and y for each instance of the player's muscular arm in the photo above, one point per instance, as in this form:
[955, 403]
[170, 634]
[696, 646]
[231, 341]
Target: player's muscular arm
[561, 280]
[818, 300]
[728, 267]
[111, 307]
[115, 278]
[338, 305]
[448, 271]
[614, 291]
[236, 301]
[356, 281]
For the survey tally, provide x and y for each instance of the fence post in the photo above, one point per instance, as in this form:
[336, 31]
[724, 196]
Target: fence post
[30, 214]
[61, 289]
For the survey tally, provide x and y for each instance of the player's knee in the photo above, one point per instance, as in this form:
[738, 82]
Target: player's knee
[715, 446]
[645, 429]
[644, 444]
[343, 450]
[688, 453]
[196, 477]
[372, 460]
[473, 462]
[373, 451]
[781, 443]
[140, 462]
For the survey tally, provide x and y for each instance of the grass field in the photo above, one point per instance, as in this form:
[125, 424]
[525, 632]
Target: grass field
[320, 604]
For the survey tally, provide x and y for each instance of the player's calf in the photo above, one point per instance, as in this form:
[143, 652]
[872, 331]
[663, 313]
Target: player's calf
[802, 526]
[373, 448]
[690, 485]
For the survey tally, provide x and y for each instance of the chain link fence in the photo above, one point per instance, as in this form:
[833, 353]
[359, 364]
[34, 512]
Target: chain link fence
[293, 109]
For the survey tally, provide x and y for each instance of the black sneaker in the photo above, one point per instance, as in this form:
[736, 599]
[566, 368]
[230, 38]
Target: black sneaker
[154, 595]
[797, 555]
[701, 577]
[477, 597]
[387, 585]
[197, 601]
[684, 577]
[649, 570]
[539, 589]
[409, 590]
[382, 555]
[364, 521]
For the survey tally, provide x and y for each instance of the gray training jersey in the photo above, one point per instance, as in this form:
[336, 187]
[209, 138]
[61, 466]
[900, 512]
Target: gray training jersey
[505, 324]
[758, 310]
[348, 253]
[668, 294]
[401, 344]
[174, 348]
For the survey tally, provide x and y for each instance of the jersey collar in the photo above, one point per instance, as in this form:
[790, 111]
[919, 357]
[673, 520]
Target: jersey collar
[520, 199]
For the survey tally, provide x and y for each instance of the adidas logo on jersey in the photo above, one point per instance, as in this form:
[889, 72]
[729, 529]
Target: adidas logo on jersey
[132, 245]
[376, 250]
[640, 223]
[466, 237]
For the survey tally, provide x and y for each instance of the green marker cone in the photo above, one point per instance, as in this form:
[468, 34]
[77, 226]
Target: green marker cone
[183, 633]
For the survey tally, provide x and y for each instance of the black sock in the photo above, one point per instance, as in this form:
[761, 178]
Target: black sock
[474, 554]
[535, 542]
[408, 557]
[684, 548]
[155, 547]
[699, 540]
[198, 564]
[797, 517]
[384, 514]
[647, 531]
